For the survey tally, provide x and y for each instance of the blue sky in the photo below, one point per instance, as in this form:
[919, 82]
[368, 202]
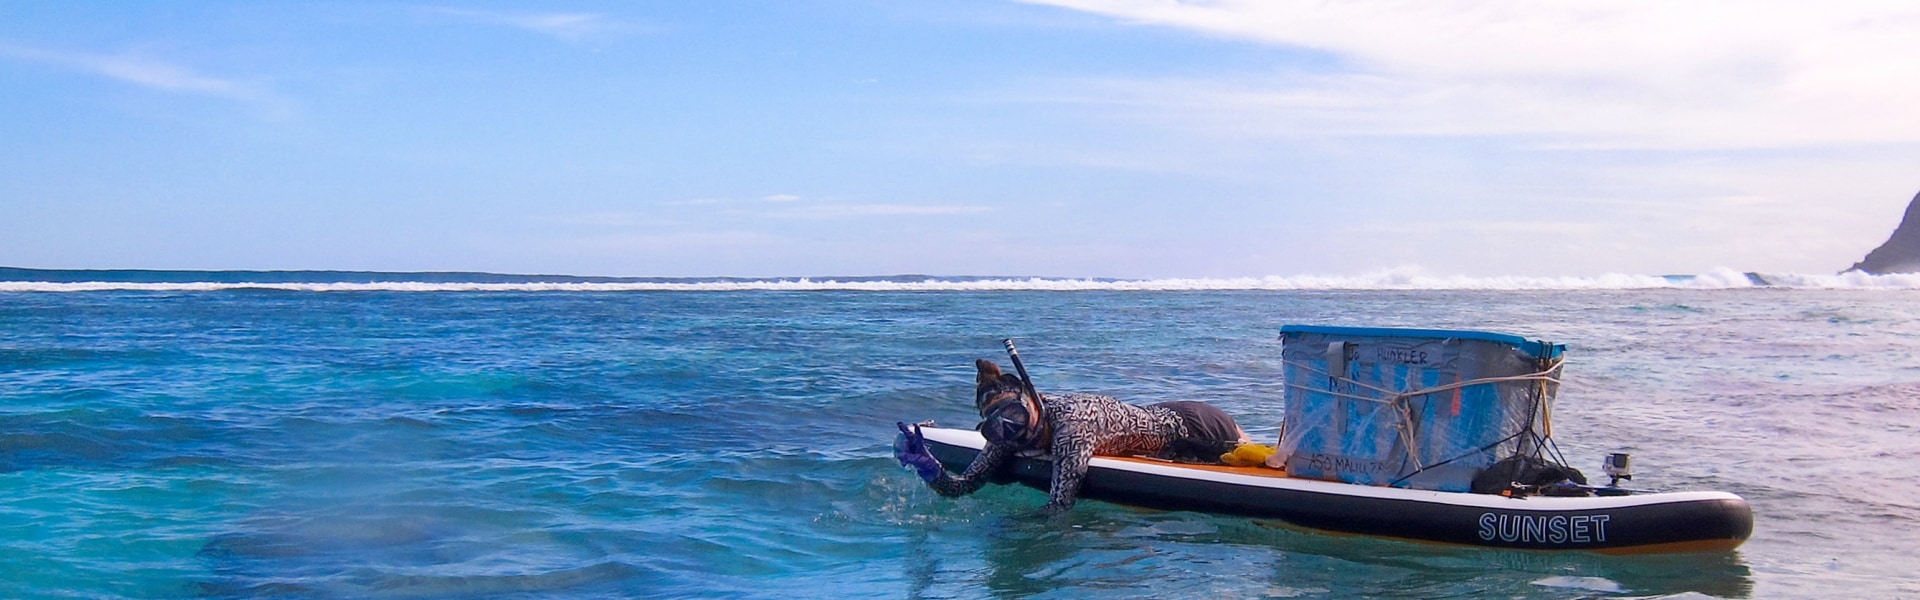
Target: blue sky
[1078, 138]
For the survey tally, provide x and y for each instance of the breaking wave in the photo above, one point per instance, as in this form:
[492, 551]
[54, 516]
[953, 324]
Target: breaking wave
[1410, 278]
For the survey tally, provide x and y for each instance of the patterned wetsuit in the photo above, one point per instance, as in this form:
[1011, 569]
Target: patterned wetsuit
[1084, 425]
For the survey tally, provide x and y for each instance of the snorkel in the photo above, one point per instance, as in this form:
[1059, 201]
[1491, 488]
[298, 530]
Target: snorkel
[1025, 381]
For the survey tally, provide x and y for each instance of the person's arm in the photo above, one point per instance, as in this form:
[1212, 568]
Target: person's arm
[1070, 458]
[912, 453]
[989, 460]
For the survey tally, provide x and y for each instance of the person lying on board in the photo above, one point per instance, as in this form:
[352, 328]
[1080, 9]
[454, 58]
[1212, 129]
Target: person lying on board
[1072, 428]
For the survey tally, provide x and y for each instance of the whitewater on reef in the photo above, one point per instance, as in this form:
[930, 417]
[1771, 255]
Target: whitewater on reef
[1409, 278]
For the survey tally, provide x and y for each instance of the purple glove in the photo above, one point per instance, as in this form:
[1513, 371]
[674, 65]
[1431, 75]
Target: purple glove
[911, 450]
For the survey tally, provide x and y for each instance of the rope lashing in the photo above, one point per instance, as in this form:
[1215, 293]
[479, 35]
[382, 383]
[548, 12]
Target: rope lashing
[1544, 378]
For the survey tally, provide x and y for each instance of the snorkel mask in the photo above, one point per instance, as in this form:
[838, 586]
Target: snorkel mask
[1008, 417]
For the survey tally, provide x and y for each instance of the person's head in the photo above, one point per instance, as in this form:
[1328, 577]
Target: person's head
[992, 387]
[1007, 414]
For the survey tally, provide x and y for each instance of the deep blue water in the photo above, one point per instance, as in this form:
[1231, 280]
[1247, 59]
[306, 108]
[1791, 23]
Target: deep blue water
[354, 444]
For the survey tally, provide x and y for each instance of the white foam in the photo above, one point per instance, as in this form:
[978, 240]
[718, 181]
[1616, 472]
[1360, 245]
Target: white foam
[1406, 278]
[1590, 584]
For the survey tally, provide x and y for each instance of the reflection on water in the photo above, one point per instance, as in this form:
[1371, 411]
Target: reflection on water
[1025, 555]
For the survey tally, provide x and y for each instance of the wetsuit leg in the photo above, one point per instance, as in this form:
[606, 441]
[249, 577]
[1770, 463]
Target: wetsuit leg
[1209, 432]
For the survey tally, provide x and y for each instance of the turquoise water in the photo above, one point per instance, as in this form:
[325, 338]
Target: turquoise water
[516, 443]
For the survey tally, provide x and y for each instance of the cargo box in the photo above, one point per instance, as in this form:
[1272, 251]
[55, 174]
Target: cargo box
[1416, 408]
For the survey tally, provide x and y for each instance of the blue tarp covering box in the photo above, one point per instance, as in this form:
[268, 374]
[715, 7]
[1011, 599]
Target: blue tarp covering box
[1419, 408]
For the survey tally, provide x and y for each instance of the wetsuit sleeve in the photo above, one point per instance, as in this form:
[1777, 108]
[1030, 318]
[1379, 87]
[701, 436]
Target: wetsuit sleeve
[1070, 459]
[989, 460]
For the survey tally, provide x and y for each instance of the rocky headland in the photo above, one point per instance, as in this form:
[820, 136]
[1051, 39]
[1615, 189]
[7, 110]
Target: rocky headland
[1901, 253]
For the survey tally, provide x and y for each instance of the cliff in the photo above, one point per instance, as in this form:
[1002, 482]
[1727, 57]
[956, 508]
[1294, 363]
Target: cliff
[1901, 253]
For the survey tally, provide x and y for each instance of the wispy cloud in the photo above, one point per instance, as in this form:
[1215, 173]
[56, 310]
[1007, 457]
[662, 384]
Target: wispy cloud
[831, 211]
[152, 74]
[791, 206]
[567, 26]
[1633, 73]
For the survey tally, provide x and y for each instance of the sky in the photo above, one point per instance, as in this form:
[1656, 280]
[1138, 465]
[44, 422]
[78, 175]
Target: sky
[1058, 138]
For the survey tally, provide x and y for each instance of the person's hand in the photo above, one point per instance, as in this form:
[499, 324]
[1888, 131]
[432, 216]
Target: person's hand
[911, 450]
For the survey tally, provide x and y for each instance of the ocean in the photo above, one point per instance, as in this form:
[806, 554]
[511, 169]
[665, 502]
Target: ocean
[330, 435]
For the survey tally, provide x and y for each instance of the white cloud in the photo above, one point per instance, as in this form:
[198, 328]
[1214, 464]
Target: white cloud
[571, 27]
[1634, 73]
[151, 74]
[781, 198]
